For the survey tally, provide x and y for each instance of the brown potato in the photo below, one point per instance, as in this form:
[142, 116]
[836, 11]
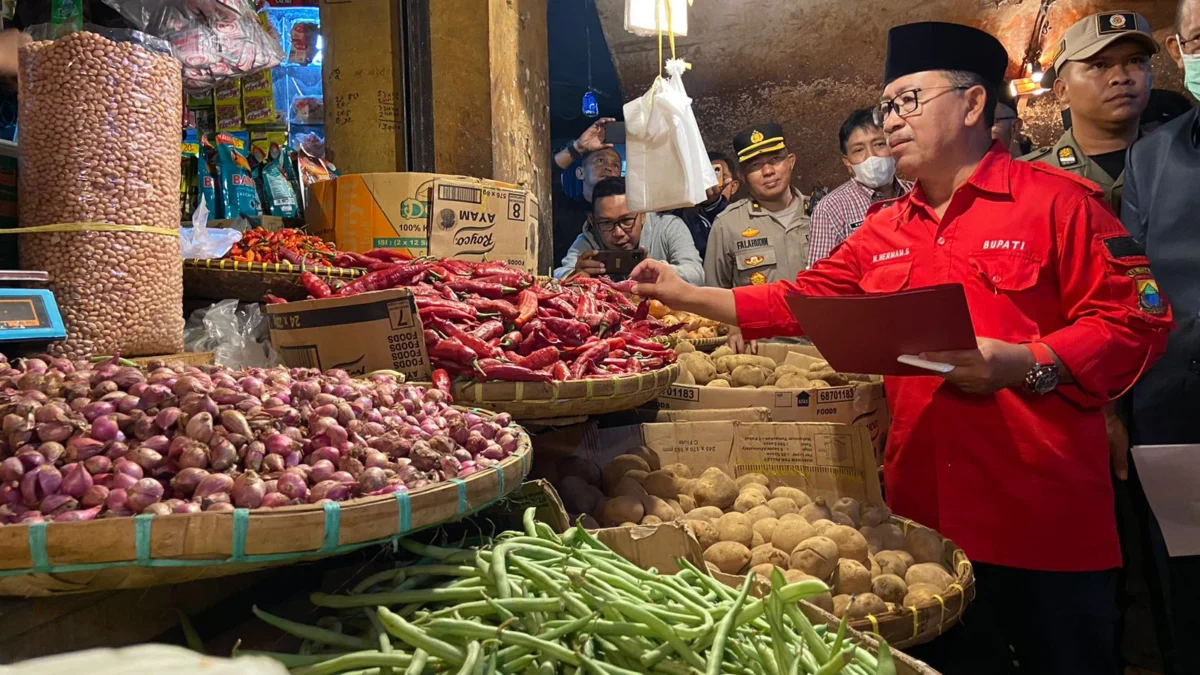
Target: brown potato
[891, 562]
[766, 527]
[760, 512]
[706, 532]
[622, 510]
[921, 594]
[847, 506]
[687, 486]
[842, 519]
[680, 471]
[748, 499]
[704, 513]
[651, 520]
[875, 514]
[757, 541]
[686, 503]
[729, 556]
[716, 488]
[628, 487]
[749, 376]
[648, 456]
[767, 553]
[748, 478]
[889, 587]
[755, 487]
[925, 545]
[851, 578]
[676, 507]
[791, 516]
[816, 556]
[736, 527]
[661, 484]
[928, 573]
[615, 470]
[840, 604]
[719, 383]
[782, 506]
[637, 475]
[891, 536]
[864, 604]
[821, 525]
[658, 508]
[763, 570]
[873, 565]
[816, 511]
[788, 535]
[874, 539]
[851, 543]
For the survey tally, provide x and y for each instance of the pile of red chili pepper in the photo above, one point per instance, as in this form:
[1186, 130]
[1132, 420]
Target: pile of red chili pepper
[489, 321]
[291, 245]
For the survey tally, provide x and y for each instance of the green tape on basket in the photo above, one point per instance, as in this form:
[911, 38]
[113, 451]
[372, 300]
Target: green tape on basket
[499, 480]
[241, 524]
[462, 494]
[37, 547]
[141, 538]
[333, 526]
[404, 504]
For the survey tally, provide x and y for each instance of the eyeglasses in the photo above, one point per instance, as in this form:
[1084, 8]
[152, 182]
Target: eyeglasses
[908, 102]
[759, 162]
[1189, 47]
[627, 223]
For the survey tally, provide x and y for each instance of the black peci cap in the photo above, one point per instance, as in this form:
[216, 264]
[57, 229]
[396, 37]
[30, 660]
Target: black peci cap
[758, 140]
[932, 45]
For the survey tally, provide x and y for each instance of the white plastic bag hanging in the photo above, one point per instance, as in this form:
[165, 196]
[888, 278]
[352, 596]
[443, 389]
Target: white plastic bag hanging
[667, 165]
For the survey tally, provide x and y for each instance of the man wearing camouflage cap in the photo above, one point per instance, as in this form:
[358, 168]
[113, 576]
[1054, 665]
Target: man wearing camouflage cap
[1102, 72]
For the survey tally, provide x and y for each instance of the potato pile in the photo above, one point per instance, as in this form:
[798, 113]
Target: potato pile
[689, 326]
[723, 368]
[750, 523]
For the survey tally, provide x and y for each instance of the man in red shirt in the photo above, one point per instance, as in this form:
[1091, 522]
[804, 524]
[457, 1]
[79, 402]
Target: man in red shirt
[1007, 453]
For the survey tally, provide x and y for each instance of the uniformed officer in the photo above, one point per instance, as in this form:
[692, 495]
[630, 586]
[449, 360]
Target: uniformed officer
[1006, 453]
[1102, 72]
[764, 237]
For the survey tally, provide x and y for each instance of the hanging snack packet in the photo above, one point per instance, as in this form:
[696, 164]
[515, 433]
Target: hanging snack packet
[239, 196]
[280, 196]
[205, 179]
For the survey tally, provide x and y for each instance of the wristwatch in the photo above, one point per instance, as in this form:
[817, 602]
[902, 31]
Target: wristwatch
[1043, 376]
[575, 153]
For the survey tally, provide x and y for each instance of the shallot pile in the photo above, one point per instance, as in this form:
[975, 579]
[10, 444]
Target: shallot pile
[83, 441]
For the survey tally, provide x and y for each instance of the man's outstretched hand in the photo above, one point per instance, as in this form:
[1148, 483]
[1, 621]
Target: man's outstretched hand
[659, 281]
[592, 139]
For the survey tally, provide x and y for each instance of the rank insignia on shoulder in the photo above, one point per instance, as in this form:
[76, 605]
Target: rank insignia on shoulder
[1149, 298]
[758, 278]
[1067, 157]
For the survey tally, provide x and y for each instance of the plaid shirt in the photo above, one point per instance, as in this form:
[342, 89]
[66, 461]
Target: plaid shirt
[840, 212]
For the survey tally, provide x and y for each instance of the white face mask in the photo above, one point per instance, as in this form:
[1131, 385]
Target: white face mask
[874, 171]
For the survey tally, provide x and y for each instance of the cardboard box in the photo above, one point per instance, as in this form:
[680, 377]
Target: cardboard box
[426, 214]
[363, 76]
[359, 334]
[473, 219]
[359, 212]
[861, 403]
[726, 415]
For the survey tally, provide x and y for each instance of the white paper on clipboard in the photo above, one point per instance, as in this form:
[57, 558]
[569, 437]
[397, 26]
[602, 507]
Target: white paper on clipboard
[1169, 476]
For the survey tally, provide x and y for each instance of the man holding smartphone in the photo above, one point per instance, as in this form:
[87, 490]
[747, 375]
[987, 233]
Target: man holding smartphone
[613, 237]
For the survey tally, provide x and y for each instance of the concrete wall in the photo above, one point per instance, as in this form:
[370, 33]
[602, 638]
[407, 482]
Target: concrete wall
[808, 63]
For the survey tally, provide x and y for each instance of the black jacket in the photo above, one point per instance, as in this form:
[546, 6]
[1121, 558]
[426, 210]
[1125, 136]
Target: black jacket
[1160, 208]
[699, 219]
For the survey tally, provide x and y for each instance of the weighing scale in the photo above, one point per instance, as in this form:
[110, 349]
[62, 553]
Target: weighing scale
[29, 317]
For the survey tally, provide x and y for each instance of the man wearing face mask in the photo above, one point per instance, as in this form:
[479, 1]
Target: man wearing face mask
[1102, 72]
[1159, 208]
[868, 158]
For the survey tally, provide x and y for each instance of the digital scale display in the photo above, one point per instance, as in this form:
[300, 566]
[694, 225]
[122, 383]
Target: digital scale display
[17, 313]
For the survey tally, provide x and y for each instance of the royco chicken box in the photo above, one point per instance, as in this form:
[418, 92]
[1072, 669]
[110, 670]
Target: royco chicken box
[427, 214]
[359, 334]
[792, 381]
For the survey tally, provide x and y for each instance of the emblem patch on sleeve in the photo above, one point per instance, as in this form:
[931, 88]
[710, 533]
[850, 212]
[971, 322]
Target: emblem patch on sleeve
[1149, 299]
[758, 278]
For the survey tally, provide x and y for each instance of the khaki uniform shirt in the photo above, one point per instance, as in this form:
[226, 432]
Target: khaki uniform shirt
[1067, 156]
[748, 246]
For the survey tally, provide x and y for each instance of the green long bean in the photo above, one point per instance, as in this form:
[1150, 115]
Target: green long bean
[314, 633]
[718, 647]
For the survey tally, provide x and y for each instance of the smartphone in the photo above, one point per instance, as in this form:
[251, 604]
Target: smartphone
[618, 264]
[614, 133]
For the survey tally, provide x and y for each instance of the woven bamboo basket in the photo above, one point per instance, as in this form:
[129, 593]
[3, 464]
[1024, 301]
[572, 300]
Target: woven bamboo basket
[908, 626]
[55, 558]
[249, 282]
[705, 344]
[555, 400]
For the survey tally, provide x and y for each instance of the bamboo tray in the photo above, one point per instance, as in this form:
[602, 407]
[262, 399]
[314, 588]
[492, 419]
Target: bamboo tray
[704, 344]
[114, 553]
[908, 626]
[249, 282]
[555, 400]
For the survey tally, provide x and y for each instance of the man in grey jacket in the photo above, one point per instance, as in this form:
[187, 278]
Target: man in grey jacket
[612, 227]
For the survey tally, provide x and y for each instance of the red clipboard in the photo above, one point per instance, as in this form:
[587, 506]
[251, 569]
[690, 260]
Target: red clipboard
[866, 333]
